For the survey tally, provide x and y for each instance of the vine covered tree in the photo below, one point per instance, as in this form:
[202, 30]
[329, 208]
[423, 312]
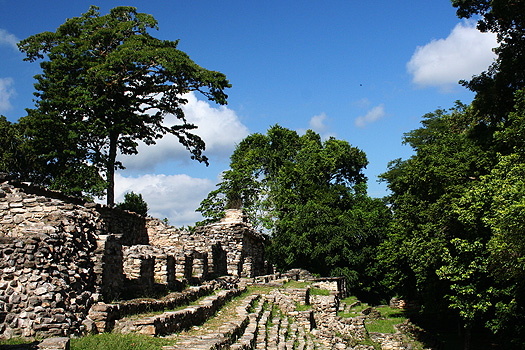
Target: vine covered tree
[106, 84]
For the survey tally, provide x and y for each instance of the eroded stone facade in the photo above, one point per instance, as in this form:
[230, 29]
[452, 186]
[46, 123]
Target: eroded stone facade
[61, 255]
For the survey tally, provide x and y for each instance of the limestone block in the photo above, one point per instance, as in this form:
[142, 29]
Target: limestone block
[59, 343]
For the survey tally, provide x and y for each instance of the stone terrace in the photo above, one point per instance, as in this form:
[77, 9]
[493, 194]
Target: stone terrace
[64, 263]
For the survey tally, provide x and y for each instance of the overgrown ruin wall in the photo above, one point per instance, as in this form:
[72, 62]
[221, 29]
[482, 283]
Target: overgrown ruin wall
[233, 247]
[60, 255]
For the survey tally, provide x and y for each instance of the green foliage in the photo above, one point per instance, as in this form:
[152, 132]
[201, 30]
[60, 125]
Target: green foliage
[424, 189]
[495, 87]
[107, 84]
[457, 239]
[135, 203]
[310, 196]
[12, 155]
[465, 266]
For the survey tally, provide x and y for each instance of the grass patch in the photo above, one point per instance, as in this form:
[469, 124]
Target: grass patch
[297, 284]
[317, 291]
[115, 341]
[382, 326]
[355, 310]
[349, 300]
[228, 311]
[18, 341]
[302, 307]
[160, 312]
[386, 325]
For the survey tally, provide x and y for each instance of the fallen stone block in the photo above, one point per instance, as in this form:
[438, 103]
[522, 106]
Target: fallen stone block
[58, 343]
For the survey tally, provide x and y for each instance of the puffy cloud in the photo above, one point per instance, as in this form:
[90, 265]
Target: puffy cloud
[6, 92]
[8, 39]
[464, 53]
[373, 115]
[220, 128]
[317, 123]
[168, 196]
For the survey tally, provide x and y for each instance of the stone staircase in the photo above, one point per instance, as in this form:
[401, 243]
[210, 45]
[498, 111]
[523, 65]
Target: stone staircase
[255, 319]
[242, 318]
[170, 322]
[257, 323]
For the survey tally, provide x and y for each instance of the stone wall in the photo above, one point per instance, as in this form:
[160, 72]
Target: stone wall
[336, 285]
[47, 283]
[59, 255]
[233, 246]
[29, 210]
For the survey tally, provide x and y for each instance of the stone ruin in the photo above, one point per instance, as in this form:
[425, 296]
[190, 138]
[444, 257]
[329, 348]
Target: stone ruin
[59, 256]
[71, 268]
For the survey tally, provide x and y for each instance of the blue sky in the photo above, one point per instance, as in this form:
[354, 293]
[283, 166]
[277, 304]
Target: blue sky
[361, 71]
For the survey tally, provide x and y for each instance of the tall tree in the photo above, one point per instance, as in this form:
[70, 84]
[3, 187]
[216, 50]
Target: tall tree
[431, 255]
[310, 195]
[106, 84]
[495, 87]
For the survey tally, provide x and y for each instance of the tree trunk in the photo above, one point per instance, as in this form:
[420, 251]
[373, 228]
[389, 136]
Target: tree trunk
[466, 338]
[110, 171]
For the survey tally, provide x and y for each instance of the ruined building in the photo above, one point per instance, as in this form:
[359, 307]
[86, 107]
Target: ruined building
[60, 255]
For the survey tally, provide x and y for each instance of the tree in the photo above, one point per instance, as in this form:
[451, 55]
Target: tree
[10, 153]
[106, 84]
[16, 159]
[310, 195]
[495, 88]
[428, 255]
[496, 203]
[135, 203]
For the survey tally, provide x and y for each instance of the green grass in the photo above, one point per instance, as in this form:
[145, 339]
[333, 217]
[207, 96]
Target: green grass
[115, 341]
[180, 307]
[296, 284]
[302, 307]
[16, 341]
[392, 317]
[355, 310]
[382, 326]
[349, 300]
[317, 291]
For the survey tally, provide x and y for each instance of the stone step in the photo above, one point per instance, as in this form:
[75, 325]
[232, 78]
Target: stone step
[231, 332]
[255, 334]
[261, 335]
[174, 321]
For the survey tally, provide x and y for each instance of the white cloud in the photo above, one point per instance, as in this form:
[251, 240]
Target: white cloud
[362, 103]
[372, 116]
[6, 92]
[8, 39]
[168, 196]
[317, 123]
[464, 53]
[220, 128]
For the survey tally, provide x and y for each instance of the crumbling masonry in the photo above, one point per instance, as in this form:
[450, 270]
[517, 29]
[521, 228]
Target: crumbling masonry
[59, 256]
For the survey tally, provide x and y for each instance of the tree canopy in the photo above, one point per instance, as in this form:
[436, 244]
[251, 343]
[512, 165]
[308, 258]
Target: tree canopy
[135, 203]
[310, 196]
[106, 84]
[495, 87]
